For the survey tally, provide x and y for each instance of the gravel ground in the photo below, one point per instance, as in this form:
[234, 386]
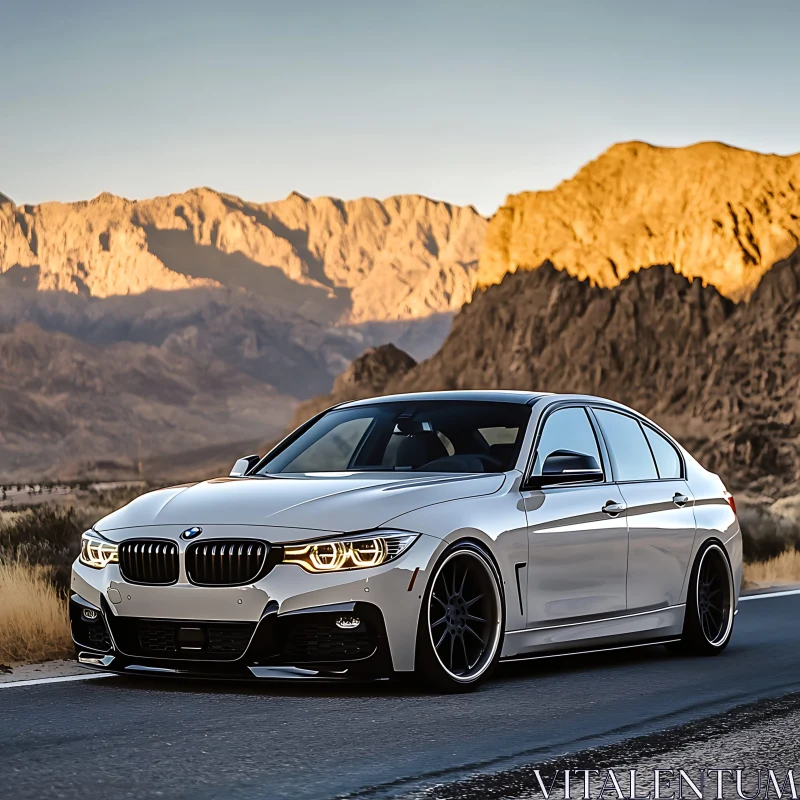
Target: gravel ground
[10, 673]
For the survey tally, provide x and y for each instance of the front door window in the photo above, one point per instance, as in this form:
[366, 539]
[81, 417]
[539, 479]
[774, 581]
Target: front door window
[566, 429]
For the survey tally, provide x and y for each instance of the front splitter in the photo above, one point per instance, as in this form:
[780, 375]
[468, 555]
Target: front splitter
[121, 665]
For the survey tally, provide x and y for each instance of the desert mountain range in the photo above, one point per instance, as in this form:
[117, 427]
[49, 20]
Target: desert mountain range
[329, 260]
[665, 278]
[98, 298]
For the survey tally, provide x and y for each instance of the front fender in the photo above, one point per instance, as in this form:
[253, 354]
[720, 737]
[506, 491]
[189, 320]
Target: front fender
[498, 522]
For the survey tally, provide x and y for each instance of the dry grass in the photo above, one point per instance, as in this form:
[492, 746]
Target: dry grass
[33, 615]
[784, 568]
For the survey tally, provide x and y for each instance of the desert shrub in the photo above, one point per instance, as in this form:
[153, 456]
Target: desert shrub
[47, 537]
[784, 568]
[766, 535]
[34, 625]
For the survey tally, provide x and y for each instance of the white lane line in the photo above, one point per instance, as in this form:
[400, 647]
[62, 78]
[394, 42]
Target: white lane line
[763, 595]
[63, 679]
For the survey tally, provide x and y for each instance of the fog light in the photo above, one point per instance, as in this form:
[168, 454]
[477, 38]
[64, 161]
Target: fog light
[348, 623]
[89, 613]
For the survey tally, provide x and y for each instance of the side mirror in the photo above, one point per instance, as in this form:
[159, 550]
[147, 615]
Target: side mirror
[564, 466]
[244, 465]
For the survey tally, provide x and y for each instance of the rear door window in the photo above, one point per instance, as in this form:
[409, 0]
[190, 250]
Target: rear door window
[631, 458]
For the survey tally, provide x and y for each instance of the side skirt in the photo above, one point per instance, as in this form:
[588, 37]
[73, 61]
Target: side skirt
[587, 652]
[658, 625]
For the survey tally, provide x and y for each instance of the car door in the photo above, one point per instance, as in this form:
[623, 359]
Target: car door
[577, 534]
[649, 472]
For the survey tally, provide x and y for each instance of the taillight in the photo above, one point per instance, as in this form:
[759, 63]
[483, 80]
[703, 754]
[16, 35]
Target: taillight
[731, 501]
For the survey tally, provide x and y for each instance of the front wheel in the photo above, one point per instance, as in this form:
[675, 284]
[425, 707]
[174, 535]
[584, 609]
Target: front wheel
[461, 621]
[708, 624]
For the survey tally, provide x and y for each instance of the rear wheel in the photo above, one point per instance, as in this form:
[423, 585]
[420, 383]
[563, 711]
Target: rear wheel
[708, 624]
[461, 622]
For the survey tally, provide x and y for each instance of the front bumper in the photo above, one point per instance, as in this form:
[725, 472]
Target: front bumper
[283, 626]
[308, 644]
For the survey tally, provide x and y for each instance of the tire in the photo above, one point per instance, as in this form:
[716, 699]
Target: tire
[708, 624]
[461, 622]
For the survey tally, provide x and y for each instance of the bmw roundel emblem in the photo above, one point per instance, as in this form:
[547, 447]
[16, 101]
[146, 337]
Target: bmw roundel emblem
[191, 533]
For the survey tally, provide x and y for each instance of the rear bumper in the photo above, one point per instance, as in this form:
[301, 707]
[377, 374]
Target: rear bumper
[305, 645]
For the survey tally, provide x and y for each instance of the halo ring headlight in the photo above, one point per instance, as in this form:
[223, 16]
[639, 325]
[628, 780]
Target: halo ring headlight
[97, 552]
[346, 553]
[328, 556]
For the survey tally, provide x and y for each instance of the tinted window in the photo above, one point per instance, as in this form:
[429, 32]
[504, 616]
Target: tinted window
[426, 435]
[566, 429]
[667, 459]
[630, 456]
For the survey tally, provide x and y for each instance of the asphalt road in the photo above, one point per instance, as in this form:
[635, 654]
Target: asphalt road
[135, 738]
[754, 738]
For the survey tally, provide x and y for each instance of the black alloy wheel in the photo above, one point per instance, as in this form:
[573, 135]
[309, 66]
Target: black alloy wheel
[462, 620]
[708, 623]
[713, 597]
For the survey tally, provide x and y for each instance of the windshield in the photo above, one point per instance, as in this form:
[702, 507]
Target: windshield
[423, 436]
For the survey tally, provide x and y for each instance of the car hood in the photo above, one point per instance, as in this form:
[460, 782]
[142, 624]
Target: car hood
[342, 502]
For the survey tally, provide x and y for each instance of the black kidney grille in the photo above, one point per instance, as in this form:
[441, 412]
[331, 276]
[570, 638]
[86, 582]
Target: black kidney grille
[225, 562]
[148, 561]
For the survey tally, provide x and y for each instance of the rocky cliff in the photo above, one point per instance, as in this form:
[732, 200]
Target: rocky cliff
[715, 212]
[723, 378]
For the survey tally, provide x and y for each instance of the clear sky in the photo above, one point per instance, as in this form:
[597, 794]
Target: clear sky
[463, 101]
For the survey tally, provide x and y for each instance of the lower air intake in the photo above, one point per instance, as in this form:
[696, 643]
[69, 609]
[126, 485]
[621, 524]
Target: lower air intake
[201, 640]
[314, 642]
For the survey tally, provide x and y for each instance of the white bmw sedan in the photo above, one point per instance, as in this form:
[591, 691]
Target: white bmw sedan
[434, 534]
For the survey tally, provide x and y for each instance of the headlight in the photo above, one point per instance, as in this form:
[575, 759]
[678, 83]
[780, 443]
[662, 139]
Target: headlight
[97, 552]
[355, 552]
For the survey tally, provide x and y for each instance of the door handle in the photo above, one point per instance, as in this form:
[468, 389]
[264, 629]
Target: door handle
[680, 500]
[612, 508]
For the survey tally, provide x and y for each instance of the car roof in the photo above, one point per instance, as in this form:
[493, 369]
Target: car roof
[489, 396]
[480, 395]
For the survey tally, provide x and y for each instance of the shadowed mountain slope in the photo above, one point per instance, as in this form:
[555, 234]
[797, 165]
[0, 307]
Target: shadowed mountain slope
[724, 379]
[70, 409]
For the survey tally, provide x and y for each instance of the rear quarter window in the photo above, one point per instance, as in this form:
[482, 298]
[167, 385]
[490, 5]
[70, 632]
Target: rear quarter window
[667, 459]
